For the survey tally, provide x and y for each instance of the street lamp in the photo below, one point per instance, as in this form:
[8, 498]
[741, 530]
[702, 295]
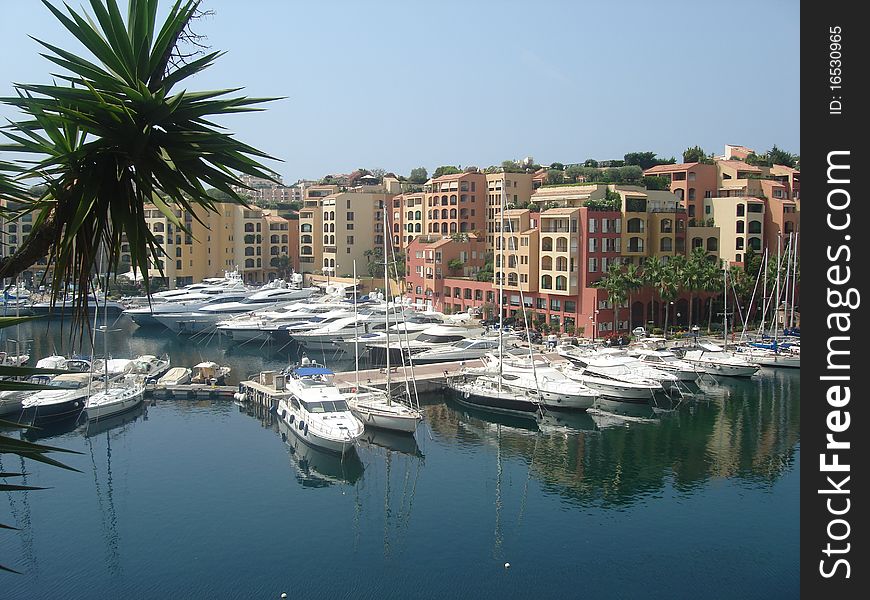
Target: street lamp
[594, 319]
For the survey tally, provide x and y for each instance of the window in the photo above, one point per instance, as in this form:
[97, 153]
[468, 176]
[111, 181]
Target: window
[593, 265]
[740, 226]
[570, 306]
[593, 244]
[707, 209]
[555, 304]
[350, 216]
[547, 282]
[349, 240]
[561, 283]
[666, 245]
[741, 210]
[712, 244]
[755, 227]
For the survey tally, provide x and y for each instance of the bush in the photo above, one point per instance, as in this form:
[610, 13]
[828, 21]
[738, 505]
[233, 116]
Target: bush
[657, 331]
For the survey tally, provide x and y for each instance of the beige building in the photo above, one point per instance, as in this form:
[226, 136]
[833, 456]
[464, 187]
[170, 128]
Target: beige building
[517, 189]
[311, 226]
[234, 237]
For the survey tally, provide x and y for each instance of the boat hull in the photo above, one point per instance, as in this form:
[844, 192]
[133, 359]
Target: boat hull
[505, 404]
[57, 412]
[310, 436]
[116, 408]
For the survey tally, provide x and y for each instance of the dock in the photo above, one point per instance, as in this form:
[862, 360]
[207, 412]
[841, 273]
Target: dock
[191, 391]
[428, 377]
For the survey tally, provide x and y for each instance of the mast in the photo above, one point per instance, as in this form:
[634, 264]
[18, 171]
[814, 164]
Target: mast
[793, 280]
[725, 309]
[356, 327]
[501, 273]
[387, 294]
[778, 266]
[763, 295]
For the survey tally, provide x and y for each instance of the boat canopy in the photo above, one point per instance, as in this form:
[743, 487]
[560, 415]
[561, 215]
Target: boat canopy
[309, 371]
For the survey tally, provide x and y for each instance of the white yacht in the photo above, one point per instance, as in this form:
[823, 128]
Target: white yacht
[488, 393]
[784, 356]
[261, 324]
[151, 366]
[668, 361]
[146, 315]
[618, 364]
[376, 409]
[467, 349]
[317, 412]
[616, 381]
[408, 329]
[715, 360]
[368, 318]
[205, 319]
[429, 339]
[538, 376]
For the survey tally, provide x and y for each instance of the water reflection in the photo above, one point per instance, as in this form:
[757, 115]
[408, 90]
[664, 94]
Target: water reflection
[315, 468]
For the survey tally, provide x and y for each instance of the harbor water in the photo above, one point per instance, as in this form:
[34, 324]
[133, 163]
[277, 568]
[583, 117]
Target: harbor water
[211, 499]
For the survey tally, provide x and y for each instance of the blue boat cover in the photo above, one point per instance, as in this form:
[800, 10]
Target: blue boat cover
[307, 371]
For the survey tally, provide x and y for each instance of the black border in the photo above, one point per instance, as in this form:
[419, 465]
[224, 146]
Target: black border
[821, 133]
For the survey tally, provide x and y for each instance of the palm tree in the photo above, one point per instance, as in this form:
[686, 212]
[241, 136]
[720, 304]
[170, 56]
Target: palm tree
[116, 134]
[633, 279]
[711, 281]
[667, 287]
[614, 284]
[692, 277]
[652, 273]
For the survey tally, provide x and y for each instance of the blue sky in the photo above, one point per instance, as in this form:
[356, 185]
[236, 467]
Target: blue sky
[398, 84]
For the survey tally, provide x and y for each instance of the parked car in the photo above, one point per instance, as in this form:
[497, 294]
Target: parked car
[639, 332]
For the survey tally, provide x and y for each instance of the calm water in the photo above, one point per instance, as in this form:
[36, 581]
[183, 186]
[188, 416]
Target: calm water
[204, 500]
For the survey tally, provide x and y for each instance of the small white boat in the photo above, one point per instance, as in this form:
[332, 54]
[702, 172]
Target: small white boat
[175, 376]
[618, 385]
[209, 372]
[375, 409]
[122, 395]
[151, 366]
[8, 360]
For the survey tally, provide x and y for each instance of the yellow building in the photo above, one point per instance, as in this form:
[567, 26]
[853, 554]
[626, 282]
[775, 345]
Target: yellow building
[517, 191]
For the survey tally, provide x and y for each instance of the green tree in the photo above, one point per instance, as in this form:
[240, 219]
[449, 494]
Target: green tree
[419, 175]
[694, 154]
[633, 280]
[555, 177]
[511, 166]
[614, 284]
[445, 170]
[711, 281]
[652, 273]
[693, 277]
[656, 182]
[646, 160]
[776, 156]
[122, 130]
[455, 265]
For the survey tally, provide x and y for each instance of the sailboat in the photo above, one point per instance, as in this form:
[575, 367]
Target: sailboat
[487, 389]
[371, 406]
[118, 395]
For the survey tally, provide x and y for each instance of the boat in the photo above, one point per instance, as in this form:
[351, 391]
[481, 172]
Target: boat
[11, 400]
[7, 360]
[151, 366]
[428, 339]
[317, 411]
[175, 376]
[617, 364]
[65, 400]
[668, 361]
[462, 350]
[120, 396]
[146, 316]
[615, 381]
[408, 329]
[64, 307]
[538, 376]
[377, 408]
[210, 373]
[771, 357]
[271, 295]
[317, 468]
[713, 359]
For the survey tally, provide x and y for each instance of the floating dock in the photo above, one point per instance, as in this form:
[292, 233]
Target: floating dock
[192, 391]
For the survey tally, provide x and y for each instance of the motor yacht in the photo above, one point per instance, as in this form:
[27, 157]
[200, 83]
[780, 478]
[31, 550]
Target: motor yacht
[317, 412]
[205, 319]
[666, 360]
[65, 400]
[538, 376]
[715, 360]
[429, 339]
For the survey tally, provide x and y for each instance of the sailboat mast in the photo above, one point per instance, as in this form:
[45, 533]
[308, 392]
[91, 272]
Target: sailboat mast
[793, 280]
[763, 295]
[387, 295]
[725, 309]
[778, 266]
[356, 327]
[501, 273]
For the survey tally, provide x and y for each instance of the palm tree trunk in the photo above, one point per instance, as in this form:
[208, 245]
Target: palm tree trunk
[691, 304]
[666, 320]
[710, 316]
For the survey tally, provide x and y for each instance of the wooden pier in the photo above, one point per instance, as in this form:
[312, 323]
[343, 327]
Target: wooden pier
[191, 391]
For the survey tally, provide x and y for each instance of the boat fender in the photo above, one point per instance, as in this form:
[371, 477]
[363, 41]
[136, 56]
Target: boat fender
[301, 424]
[291, 418]
[306, 429]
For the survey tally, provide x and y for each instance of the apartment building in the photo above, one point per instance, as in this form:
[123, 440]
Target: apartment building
[456, 203]
[690, 183]
[311, 226]
[251, 240]
[442, 273]
[412, 217]
[353, 222]
[516, 190]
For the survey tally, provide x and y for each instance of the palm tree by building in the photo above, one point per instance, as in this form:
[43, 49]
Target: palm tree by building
[614, 284]
[118, 133]
[633, 280]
